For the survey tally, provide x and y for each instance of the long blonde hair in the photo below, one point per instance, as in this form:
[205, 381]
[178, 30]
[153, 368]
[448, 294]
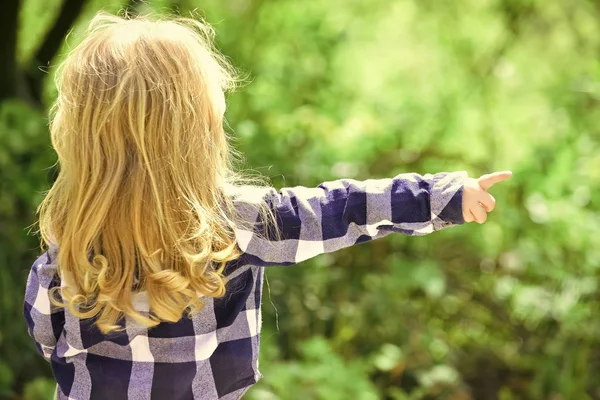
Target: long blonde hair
[139, 202]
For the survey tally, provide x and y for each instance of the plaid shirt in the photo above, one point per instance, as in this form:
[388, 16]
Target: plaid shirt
[214, 353]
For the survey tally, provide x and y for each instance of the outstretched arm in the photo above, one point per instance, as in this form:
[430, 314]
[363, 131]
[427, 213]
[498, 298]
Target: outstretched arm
[345, 212]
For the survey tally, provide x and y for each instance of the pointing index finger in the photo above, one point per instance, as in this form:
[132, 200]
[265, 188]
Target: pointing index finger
[488, 180]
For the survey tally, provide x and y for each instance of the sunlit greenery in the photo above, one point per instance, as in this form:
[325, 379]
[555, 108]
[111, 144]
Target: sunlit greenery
[352, 88]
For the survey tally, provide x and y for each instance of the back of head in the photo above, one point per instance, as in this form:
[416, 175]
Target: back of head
[139, 200]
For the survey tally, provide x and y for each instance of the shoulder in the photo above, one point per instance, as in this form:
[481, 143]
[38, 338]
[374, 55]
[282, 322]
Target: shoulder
[248, 194]
[44, 269]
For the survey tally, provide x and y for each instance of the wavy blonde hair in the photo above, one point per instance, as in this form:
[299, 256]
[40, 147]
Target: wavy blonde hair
[139, 202]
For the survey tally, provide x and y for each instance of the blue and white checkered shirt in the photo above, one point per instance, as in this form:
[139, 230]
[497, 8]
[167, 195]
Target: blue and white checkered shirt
[214, 354]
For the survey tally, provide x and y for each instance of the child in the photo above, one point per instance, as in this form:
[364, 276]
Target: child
[151, 282]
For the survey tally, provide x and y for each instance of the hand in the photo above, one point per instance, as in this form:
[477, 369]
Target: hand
[477, 202]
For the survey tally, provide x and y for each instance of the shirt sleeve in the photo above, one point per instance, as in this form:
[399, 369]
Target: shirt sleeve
[44, 320]
[341, 213]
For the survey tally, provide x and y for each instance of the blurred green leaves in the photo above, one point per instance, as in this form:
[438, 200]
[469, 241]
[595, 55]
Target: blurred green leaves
[348, 88]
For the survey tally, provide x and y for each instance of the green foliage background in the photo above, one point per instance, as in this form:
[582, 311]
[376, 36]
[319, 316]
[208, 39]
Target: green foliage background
[349, 88]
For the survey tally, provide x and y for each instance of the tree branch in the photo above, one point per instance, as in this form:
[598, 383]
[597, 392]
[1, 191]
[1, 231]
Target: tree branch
[69, 12]
[9, 18]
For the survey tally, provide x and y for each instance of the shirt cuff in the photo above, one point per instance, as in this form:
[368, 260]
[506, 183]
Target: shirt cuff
[446, 199]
